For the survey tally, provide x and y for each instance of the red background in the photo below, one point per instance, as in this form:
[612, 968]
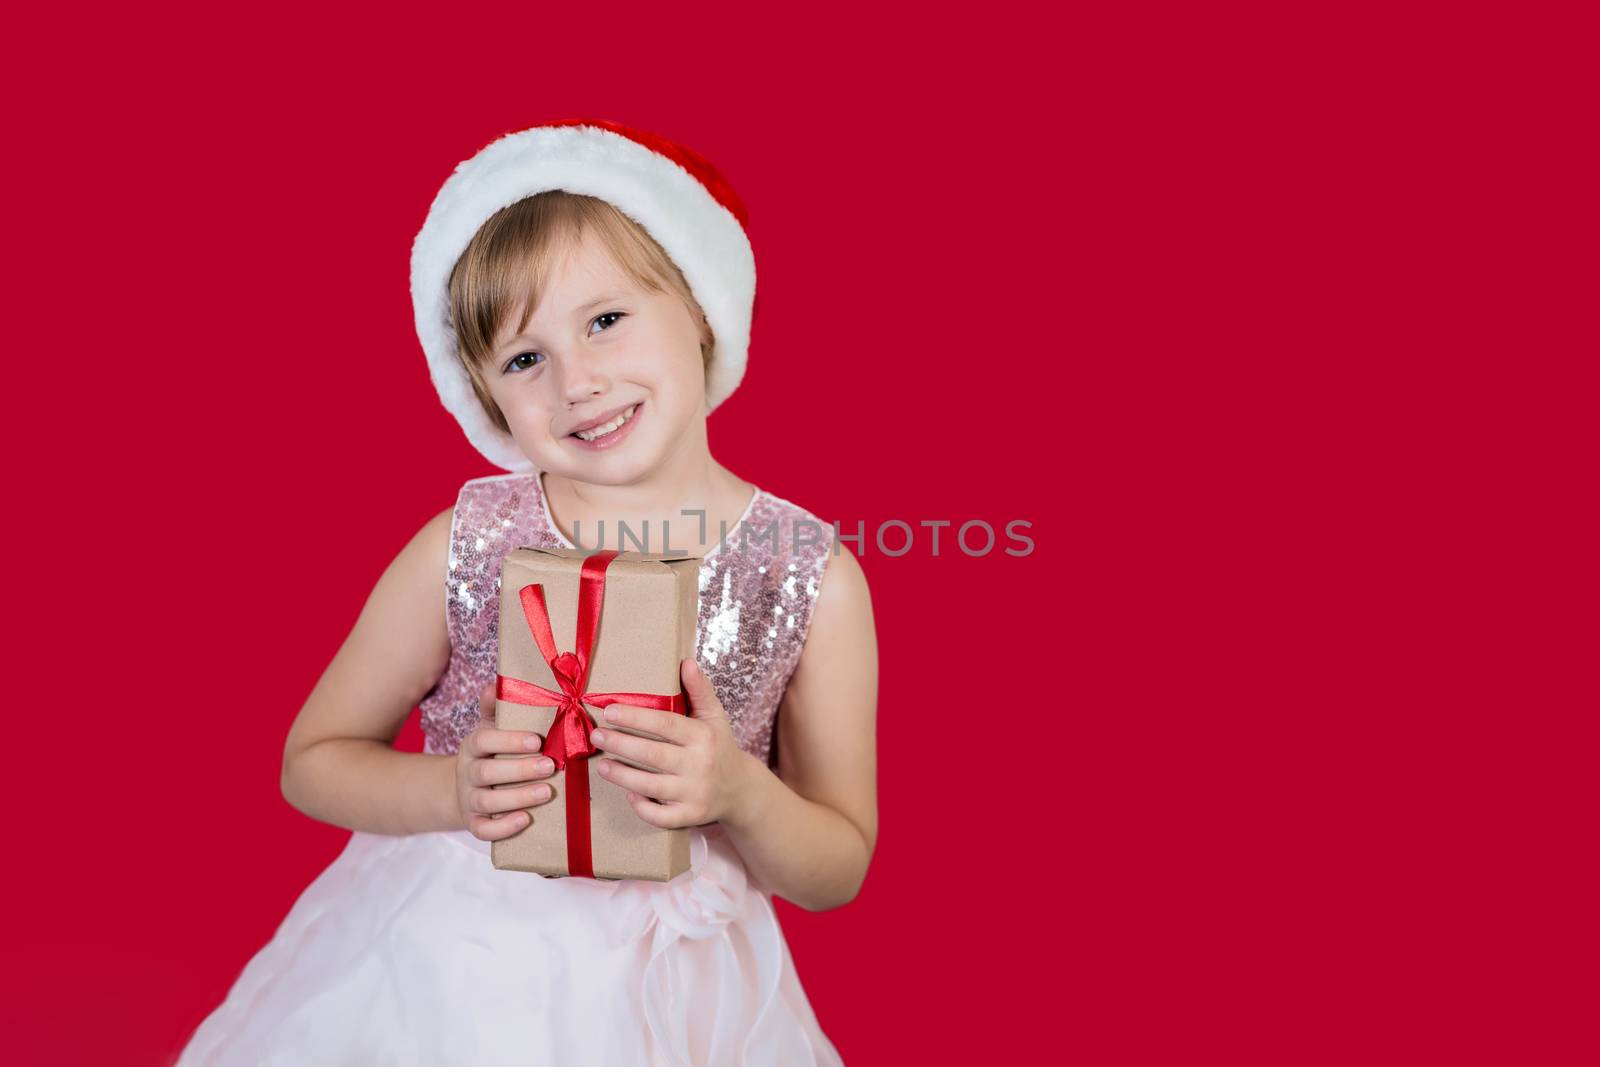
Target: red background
[1264, 322]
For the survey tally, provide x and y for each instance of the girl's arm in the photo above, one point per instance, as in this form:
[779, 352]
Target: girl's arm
[339, 762]
[808, 831]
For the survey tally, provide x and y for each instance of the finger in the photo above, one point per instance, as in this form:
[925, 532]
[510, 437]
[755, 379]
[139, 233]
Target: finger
[666, 816]
[486, 703]
[492, 800]
[501, 770]
[673, 727]
[486, 828]
[650, 783]
[703, 702]
[658, 755]
[486, 740]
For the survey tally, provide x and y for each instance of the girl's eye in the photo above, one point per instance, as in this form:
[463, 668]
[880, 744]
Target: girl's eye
[538, 357]
[513, 365]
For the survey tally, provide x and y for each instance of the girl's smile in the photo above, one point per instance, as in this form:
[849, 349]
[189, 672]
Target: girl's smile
[608, 430]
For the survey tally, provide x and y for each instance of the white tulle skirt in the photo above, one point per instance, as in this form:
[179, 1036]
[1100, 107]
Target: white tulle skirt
[414, 950]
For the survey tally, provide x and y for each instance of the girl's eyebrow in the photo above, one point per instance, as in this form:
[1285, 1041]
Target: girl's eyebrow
[579, 310]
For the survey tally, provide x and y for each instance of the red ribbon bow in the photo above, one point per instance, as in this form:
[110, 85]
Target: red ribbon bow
[567, 742]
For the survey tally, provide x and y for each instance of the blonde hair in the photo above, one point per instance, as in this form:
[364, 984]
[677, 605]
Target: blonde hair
[509, 260]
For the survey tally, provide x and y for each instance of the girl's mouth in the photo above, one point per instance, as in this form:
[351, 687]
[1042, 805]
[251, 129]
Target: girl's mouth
[609, 434]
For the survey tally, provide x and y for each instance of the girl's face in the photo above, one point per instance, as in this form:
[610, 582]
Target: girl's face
[596, 350]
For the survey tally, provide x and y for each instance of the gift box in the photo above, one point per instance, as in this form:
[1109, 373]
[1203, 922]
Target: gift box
[581, 630]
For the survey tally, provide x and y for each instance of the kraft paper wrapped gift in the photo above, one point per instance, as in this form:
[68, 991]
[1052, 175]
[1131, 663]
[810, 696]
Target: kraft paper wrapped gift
[580, 630]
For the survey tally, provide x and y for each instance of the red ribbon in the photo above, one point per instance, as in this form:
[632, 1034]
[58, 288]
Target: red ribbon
[567, 741]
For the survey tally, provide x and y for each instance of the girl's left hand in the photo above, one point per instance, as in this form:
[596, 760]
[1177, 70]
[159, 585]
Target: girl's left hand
[700, 774]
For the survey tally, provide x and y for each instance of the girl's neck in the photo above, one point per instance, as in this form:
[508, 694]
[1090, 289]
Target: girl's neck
[690, 482]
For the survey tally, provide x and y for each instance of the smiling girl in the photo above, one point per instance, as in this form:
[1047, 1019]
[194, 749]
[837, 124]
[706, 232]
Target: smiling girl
[584, 293]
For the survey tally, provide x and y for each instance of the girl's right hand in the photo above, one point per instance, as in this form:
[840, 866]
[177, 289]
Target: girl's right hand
[491, 814]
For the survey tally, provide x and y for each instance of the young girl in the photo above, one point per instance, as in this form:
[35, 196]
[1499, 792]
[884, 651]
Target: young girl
[583, 294]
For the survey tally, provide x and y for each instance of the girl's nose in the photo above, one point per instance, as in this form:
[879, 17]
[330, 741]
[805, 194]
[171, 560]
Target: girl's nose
[581, 379]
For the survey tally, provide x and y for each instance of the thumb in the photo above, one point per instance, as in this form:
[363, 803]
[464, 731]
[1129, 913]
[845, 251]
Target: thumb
[486, 704]
[703, 702]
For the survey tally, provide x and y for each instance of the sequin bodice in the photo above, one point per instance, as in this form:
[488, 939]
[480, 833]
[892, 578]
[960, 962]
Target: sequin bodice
[757, 589]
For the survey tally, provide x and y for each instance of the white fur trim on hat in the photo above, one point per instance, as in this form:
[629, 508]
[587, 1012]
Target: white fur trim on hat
[701, 236]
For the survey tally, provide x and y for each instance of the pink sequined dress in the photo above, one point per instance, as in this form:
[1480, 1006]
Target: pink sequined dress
[414, 950]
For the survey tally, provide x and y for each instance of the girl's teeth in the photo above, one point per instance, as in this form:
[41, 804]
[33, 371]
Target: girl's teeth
[607, 427]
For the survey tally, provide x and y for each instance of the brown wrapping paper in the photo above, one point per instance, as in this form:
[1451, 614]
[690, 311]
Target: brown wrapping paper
[647, 627]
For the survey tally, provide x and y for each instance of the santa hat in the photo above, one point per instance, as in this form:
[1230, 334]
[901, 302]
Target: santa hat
[674, 193]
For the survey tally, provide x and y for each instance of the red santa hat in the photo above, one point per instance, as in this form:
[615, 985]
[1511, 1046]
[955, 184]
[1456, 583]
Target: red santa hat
[674, 193]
